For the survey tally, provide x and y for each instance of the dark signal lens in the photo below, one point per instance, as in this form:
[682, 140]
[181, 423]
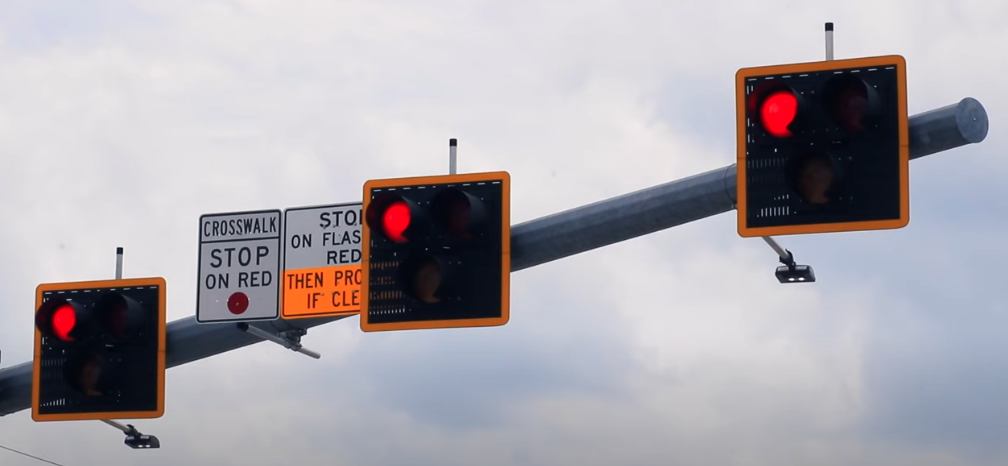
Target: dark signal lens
[424, 278]
[459, 214]
[778, 111]
[851, 109]
[116, 317]
[396, 220]
[852, 103]
[93, 374]
[64, 319]
[121, 316]
[813, 178]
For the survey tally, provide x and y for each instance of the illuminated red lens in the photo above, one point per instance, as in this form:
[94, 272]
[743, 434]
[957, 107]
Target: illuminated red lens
[63, 321]
[396, 220]
[778, 112]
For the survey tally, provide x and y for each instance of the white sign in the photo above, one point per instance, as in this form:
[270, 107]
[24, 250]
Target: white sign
[322, 261]
[239, 267]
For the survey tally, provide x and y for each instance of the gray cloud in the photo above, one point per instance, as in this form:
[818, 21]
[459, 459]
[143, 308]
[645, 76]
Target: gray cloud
[78, 25]
[675, 348]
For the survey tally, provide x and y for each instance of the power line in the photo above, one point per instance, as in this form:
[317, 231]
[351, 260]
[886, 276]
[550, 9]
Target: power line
[30, 456]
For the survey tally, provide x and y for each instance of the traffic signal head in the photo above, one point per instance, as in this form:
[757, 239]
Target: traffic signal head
[99, 350]
[436, 252]
[823, 147]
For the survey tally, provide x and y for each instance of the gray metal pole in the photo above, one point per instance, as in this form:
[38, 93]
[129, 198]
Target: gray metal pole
[700, 196]
[452, 156]
[117, 425]
[829, 41]
[557, 236]
[781, 252]
[948, 127]
[119, 263]
[282, 342]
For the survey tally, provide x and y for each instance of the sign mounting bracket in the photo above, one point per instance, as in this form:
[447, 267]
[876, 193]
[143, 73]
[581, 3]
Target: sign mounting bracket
[290, 339]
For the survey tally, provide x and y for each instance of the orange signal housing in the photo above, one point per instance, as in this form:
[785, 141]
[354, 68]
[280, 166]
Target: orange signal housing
[87, 287]
[414, 185]
[744, 80]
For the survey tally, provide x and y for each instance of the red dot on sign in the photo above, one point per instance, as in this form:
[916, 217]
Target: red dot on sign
[238, 303]
[778, 111]
[396, 220]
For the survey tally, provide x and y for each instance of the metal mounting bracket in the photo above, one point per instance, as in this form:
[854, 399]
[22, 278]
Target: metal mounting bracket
[134, 438]
[790, 272]
[786, 257]
[290, 339]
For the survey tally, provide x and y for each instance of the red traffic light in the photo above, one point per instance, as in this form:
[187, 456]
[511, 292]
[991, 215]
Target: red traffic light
[60, 318]
[396, 218]
[778, 111]
[459, 214]
[64, 319]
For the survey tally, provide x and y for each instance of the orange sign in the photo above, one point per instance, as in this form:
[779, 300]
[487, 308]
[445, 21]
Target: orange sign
[322, 291]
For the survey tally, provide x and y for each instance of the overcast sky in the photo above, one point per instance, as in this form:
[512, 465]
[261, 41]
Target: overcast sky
[121, 122]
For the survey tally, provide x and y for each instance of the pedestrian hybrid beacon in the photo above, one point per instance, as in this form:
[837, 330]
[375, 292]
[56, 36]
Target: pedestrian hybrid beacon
[99, 350]
[436, 252]
[823, 147]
